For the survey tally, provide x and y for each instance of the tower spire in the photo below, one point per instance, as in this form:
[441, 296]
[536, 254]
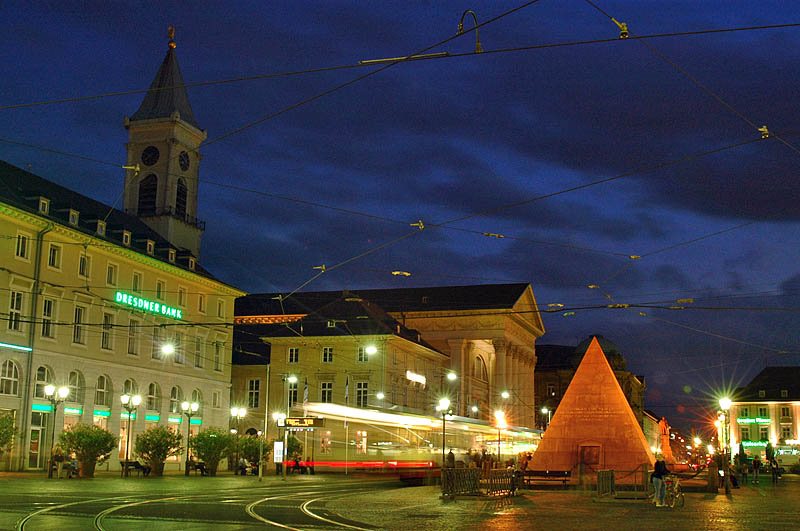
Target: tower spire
[171, 35]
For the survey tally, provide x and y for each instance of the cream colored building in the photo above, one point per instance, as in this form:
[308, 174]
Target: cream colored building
[91, 294]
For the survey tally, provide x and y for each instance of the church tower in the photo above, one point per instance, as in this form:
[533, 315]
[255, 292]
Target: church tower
[164, 159]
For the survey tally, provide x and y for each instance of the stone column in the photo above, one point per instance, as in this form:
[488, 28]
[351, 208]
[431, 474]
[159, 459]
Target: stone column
[500, 369]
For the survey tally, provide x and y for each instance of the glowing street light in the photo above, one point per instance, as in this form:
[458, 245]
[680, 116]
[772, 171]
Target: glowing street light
[500, 419]
[548, 412]
[168, 349]
[130, 403]
[237, 413]
[444, 407]
[190, 410]
[56, 397]
[505, 395]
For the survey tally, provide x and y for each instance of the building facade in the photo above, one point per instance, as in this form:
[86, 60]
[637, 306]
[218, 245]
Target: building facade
[92, 295]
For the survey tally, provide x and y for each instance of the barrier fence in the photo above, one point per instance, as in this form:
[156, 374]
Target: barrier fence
[474, 482]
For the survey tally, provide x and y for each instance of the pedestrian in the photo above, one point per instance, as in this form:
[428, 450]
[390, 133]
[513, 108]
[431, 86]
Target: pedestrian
[756, 468]
[743, 466]
[660, 486]
[774, 468]
[242, 466]
[450, 461]
[58, 458]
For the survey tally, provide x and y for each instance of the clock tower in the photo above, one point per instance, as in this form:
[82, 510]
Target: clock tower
[163, 166]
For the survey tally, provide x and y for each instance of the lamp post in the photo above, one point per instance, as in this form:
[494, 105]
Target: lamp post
[725, 405]
[56, 397]
[546, 411]
[291, 379]
[130, 403]
[444, 407]
[190, 410]
[238, 413]
[500, 417]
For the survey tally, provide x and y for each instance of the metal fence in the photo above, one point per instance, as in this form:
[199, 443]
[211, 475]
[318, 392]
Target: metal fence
[474, 482]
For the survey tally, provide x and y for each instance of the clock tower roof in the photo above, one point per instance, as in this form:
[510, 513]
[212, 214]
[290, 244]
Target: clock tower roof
[167, 93]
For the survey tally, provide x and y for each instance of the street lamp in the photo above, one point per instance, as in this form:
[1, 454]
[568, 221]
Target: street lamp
[238, 413]
[725, 405]
[505, 395]
[291, 379]
[130, 403]
[478, 47]
[444, 407]
[500, 417]
[190, 410]
[547, 411]
[56, 397]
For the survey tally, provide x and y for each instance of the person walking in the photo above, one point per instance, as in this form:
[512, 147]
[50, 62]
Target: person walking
[660, 472]
[774, 468]
[756, 468]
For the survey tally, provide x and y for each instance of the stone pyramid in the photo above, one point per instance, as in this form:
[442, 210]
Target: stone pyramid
[593, 425]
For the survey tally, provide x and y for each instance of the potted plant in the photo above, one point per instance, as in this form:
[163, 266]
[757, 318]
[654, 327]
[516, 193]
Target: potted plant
[211, 445]
[155, 445]
[89, 444]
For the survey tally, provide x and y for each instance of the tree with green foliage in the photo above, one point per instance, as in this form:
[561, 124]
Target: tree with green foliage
[89, 444]
[211, 445]
[248, 447]
[7, 433]
[155, 445]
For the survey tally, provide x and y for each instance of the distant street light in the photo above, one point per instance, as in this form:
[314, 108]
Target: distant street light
[500, 419]
[130, 403]
[444, 407]
[190, 410]
[725, 405]
[238, 413]
[56, 397]
[548, 412]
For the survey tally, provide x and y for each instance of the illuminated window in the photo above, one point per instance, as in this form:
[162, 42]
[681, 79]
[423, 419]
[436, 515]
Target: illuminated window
[327, 354]
[363, 357]
[786, 432]
[325, 443]
[129, 387]
[785, 411]
[292, 393]
[362, 394]
[361, 442]
[294, 354]
[9, 378]
[43, 378]
[15, 311]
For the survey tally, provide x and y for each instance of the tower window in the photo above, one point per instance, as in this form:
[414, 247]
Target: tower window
[148, 191]
[180, 198]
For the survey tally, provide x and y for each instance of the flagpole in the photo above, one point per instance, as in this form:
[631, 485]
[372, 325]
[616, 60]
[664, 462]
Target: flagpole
[346, 425]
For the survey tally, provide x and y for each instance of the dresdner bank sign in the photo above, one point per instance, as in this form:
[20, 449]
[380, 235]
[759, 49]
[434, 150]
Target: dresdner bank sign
[148, 306]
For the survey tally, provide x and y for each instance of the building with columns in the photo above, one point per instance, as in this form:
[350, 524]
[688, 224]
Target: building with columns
[90, 294]
[470, 343]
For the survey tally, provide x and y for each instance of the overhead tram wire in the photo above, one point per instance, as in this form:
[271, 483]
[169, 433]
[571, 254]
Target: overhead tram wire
[317, 70]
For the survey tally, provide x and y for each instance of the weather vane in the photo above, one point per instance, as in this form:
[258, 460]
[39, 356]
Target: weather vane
[171, 35]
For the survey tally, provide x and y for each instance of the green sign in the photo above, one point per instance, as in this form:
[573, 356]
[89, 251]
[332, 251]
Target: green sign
[44, 408]
[16, 347]
[757, 420]
[174, 420]
[196, 422]
[151, 418]
[73, 411]
[148, 305]
[124, 415]
[751, 444]
[101, 413]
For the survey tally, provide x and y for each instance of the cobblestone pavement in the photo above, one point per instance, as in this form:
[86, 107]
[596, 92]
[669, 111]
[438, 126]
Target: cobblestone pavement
[764, 506]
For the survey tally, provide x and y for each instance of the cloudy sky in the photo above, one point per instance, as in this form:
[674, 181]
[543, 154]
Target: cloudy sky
[579, 148]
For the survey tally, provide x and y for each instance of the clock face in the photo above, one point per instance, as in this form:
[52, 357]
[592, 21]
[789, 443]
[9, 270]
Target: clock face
[183, 159]
[150, 155]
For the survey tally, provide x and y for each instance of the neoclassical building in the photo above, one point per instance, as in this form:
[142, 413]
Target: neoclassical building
[91, 294]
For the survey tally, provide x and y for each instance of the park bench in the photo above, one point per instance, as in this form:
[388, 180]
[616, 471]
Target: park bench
[547, 475]
[141, 470]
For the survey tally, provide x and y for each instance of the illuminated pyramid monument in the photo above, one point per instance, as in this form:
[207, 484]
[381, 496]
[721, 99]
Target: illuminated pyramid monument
[594, 426]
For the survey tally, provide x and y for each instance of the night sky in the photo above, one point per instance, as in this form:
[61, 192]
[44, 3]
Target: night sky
[507, 142]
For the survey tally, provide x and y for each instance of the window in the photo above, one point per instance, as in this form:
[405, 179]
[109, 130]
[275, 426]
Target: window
[198, 352]
[362, 394]
[763, 412]
[129, 387]
[326, 392]
[362, 354]
[745, 433]
[181, 296]
[785, 412]
[325, 443]
[784, 393]
[136, 282]
[180, 198]
[153, 396]
[180, 355]
[126, 238]
[148, 192]
[294, 354]
[151, 247]
[763, 433]
[220, 308]
[48, 310]
[74, 217]
[54, 256]
[101, 227]
[9, 378]
[192, 263]
[44, 206]
[111, 275]
[23, 241]
[133, 337]
[84, 265]
[786, 432]
[156, 352]
[217, 356]
[171, 255]
[78, 332]
[43, 378]
[293, 393]
[160, 289]
[102, 391]
[253, 391]
[327, 354]
[76, 387]
[105, 333]
[551, 389]
[761, 393]
[15, 311]
[479, 369]
[216, 400]
[175, 399]
[744, 412]
[201, 303]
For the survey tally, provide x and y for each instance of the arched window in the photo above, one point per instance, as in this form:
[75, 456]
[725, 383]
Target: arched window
[479, 370]
[175, 399]
[154, 396]
[180, 198]
[44, 377]
[9, 378]
[148, 192]
[76, 387]
[197, 396]
[130, 387]
[102, 391]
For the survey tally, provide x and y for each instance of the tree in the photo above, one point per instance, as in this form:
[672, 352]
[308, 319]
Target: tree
[7, 433]
[155, 445]
[210, 445]
[248, 447]
[89, 444]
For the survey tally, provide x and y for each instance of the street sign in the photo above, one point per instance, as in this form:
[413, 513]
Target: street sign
[304, 422]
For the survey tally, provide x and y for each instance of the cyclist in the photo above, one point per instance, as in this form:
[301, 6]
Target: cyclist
[660, 487]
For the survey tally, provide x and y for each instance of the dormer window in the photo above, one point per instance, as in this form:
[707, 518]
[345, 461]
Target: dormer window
[126, 238]
[762, 393]
[192, 263]
[151, 247]
[101, 227]
[784, 393]
[74, 217]
[171, 255]
[44, 206]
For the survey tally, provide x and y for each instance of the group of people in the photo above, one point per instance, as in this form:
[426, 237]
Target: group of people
[65, 465]
[757, 466]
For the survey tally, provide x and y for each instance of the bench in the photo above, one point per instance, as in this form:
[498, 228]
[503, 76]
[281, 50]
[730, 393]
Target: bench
[547, 475]
[198, 466]
[141, 469]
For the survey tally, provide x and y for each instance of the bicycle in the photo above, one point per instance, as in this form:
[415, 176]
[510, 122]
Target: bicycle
[674, 497]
